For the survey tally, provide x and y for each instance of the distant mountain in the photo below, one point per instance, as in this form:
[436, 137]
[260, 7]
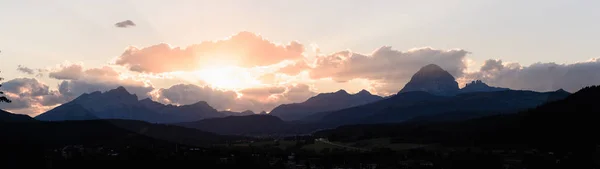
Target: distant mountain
[10, 117]
[359, 113]
[479, 86]
[557, 95]
[431, 92]
[120, 104]
[406, 106]
[323, 102]
[432, 79]
[487, 103]
[253, 125]
[231, 113]
[565, 125]
[67, 111]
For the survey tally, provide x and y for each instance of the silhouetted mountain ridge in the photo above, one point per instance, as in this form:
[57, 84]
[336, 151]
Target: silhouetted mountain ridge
[323, 102]
[10, 117]
[563, 125]
[433, 91]
[479, 86]
[120, 104]
[232, 113]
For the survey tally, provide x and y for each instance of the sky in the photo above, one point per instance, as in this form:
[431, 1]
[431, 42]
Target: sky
[254, 55]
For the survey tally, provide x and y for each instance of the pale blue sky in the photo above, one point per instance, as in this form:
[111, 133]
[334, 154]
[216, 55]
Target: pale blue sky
[42, 33]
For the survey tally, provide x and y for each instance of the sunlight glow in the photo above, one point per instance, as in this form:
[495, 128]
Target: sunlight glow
[227, 77]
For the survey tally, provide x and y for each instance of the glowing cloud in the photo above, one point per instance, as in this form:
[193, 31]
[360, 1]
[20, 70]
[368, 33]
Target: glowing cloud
[244, 49]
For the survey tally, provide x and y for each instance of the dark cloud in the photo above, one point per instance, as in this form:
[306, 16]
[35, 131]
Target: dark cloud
[29, 96]
[125, 24]
[539, 76]
[25, 87]
[67, 72]
[26, 70]
[74, 88]
[78, 80]
[244, 49]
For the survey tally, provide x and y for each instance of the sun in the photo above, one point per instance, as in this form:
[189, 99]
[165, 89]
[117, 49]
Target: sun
[226, 77]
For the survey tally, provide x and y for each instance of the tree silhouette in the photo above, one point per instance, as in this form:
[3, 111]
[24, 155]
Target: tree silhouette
[3, 98]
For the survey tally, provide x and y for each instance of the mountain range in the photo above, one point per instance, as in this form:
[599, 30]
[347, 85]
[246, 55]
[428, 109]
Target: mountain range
[558, 126]
[425, 105]
[120, 104]
[431, 93]
[479, 86]
[435, 114]
[323, 102]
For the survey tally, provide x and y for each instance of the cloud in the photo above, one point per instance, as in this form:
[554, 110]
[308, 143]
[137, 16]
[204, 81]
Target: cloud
[25, 86]
[255, 99]
[244, 49]
[539, 76]
[298, 93]
[26, 70]
[105, 83]
[280, 73]
[125, 24]
[67, 72]
[30, 96]
[74, 88]
[78, 80]
[262, 93]
[387, 66]
[294, 68]
[492, 65]
[183, 94]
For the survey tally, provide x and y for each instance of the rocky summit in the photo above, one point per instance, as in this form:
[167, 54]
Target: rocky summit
[432, 79]
[479, 86]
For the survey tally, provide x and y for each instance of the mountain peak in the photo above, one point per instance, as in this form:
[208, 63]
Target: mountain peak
[248, 112]
[121, 92]
[431, 67]
[120, 89]
[477, 83]
[364, 92]
[341, 91]
[561, 90]
[432, 70]
[321, 103]
[433, 79]
[480, 86]
[146, 100]
[200, 103]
